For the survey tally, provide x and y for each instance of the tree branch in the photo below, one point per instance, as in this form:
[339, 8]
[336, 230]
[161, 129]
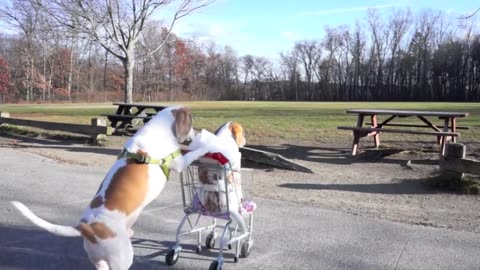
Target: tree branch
[182, 11]
[471, 15]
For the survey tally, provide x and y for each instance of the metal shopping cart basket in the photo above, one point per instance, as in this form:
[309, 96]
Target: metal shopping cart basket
[212, 189]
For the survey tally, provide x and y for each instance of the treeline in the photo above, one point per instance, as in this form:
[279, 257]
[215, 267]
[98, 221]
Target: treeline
[429, 56]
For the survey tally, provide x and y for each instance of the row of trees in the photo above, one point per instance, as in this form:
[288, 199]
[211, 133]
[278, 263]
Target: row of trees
[400, 56]
[429, 57]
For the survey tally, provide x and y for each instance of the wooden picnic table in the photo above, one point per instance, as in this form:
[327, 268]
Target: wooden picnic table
[128, 112]
[445, 131]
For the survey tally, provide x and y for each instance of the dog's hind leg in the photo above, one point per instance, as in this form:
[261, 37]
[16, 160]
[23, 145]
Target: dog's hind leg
[124, 258]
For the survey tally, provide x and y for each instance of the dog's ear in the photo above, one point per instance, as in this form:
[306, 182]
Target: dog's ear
[183, 123]
[238, 133]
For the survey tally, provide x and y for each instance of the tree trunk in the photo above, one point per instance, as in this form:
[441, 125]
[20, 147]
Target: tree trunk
[70, 75]
[44, 70]
[128, 65]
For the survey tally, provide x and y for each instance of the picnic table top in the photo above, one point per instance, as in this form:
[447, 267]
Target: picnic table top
[409, 112]
[140, 105]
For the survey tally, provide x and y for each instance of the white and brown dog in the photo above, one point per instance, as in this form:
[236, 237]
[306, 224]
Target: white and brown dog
[134, 180]
[227, 139]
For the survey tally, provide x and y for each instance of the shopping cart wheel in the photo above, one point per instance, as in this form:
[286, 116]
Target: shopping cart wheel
[235, 259]
[172, 257]
[245, 251]
[214, 266]
[198, 250]
[210, 241]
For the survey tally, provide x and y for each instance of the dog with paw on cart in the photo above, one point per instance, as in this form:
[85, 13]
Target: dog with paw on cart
[213, 189]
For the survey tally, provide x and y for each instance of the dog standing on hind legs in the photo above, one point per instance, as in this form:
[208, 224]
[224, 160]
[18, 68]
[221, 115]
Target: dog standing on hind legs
[134, 180]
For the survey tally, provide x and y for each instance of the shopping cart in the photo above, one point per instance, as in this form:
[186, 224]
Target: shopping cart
[212, 189]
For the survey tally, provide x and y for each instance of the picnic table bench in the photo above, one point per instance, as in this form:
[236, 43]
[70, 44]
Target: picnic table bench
[126, 113]
[444, 132]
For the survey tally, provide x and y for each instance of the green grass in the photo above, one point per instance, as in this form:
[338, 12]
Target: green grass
[265, 122]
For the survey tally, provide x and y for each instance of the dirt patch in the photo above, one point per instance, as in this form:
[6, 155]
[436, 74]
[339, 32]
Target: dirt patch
[392, 184]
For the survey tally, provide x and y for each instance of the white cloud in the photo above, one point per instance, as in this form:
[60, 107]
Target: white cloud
[222, 33]
[212, 30]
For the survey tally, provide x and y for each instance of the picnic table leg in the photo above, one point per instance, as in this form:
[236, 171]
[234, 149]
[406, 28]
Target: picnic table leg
[356, 140]
[443, 146]
[356, 135]
[376, 137]
[113, 121]
[119, 110]
[454, 128]
[125, 110]
[443, 140]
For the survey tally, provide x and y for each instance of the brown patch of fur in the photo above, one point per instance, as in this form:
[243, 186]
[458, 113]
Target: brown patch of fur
[87, 232]
[94, 230]
[102, 231]
[183, 123]
[128, 188]
[237, 131]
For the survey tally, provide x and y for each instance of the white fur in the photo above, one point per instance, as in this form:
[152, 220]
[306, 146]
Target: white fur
[155, 138]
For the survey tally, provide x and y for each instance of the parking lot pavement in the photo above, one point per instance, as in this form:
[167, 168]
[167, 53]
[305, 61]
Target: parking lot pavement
[287, 235]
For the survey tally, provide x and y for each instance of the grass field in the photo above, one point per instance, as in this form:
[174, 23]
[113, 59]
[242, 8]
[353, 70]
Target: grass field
[265, 122]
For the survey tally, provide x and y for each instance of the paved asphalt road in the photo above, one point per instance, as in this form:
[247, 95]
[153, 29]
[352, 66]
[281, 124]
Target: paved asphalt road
[287, 236]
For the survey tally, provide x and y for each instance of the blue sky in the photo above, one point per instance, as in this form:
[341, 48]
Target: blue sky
[267, 27]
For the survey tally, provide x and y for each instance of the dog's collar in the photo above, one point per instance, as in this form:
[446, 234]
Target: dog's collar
[162, 162]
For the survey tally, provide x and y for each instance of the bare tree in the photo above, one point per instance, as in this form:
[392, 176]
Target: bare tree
[24, 17]
[357, 51]
[116, 25]
[398, 24]
[289, 63]
[380, 38]
[260, 68]
[308, 53]
[331, 43]
[247, 62]
[230, 74]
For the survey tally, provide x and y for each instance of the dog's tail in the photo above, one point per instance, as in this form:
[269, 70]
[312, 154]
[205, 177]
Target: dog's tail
[59, 230]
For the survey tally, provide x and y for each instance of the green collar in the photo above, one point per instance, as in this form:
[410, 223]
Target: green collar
[162, 162]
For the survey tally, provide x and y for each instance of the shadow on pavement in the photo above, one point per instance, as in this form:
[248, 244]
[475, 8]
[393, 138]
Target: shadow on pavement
[27, 248]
